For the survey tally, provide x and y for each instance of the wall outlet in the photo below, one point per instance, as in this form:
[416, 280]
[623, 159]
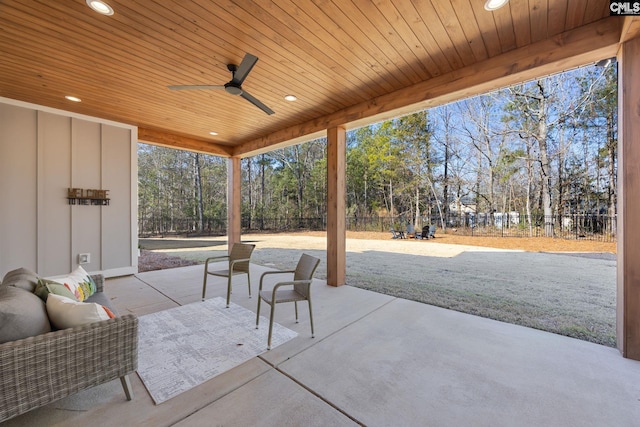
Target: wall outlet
[84, 258]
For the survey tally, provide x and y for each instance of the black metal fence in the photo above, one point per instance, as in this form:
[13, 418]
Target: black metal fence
[508, 224]
[161, 227]
[513, 224]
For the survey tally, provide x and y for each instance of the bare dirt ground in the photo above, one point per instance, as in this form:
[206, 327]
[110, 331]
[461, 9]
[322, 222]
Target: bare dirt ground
[531, 244]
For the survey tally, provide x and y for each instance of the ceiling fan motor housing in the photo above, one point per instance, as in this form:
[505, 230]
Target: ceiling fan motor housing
[233, 88]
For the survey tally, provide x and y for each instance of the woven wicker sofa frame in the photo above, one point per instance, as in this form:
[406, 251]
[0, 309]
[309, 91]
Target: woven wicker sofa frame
[39, 370]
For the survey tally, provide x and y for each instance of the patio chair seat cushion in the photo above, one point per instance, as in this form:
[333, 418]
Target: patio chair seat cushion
[22, 314]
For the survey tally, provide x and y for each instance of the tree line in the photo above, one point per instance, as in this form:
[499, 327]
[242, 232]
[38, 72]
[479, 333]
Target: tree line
[541, 151]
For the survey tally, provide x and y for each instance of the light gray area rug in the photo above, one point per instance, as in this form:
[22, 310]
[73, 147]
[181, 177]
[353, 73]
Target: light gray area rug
[185, 346]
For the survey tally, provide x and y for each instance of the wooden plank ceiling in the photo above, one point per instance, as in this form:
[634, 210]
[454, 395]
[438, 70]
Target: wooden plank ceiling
[347, 61]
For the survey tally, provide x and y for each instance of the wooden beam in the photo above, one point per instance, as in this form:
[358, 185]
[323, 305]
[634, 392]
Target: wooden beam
[628, 267]
[181, 142]
[630, 28]
[336, 206]
[287, 142]
[234, 199]
[568, 50]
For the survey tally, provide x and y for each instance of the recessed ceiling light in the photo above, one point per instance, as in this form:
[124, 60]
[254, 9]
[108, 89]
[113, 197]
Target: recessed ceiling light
[492, 5]
[290, 98]
[213, 133]
[100, 7]
[73, 98]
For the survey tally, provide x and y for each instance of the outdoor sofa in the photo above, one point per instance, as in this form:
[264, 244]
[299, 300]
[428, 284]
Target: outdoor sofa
[40, 369]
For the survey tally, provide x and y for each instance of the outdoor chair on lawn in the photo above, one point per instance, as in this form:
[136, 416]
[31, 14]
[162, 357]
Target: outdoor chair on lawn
[397, 234]
[411, 231]
[238, 264]
[428, 232]
[299, 290]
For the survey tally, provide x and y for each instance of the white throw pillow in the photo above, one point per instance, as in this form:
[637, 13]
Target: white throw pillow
[66, 313]
[79, 282]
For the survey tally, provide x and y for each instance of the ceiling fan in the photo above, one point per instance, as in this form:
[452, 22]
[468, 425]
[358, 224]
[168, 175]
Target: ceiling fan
[234, 86]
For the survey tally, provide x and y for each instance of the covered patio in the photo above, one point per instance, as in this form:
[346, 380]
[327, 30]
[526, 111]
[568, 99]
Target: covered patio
[349, 63]
[376, 360]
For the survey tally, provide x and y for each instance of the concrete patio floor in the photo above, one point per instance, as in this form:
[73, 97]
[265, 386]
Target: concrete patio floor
[376, 360]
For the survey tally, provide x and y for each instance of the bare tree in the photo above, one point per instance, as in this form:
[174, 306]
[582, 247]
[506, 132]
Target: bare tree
[198, 187]
[530, 112]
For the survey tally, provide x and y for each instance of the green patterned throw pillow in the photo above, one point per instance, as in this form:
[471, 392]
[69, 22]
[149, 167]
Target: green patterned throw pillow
[47, 286]
[78, 282]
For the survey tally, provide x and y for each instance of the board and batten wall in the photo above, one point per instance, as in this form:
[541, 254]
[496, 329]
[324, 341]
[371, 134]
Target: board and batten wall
[43, 152]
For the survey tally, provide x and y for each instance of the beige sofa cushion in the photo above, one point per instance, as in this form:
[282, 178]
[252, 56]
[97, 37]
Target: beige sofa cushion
[66, 313]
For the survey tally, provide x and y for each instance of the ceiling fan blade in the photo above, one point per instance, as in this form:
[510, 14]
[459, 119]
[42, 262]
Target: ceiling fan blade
[195, 87]
[245, 66]
[257, 103]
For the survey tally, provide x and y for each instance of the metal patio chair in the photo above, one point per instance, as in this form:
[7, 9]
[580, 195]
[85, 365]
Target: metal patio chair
[299, 289]
[238, 264]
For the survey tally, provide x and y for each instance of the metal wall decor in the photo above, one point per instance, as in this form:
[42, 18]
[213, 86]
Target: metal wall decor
[80, 196]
